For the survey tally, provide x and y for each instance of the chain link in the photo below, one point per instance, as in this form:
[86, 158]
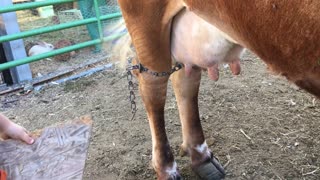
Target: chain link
[132, 96]
[141, 68]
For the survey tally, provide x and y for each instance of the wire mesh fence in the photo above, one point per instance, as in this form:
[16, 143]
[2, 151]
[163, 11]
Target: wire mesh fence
[1, 79]
[59, 14]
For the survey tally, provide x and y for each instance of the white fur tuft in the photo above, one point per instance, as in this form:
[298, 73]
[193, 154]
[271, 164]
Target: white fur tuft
[121, 48]
[173, 171]
[203, 148]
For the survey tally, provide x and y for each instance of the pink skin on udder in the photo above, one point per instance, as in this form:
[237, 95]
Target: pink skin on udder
[235, 67]
[213, 72]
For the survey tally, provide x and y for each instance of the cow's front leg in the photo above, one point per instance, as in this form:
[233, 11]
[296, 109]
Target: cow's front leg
[186, 87]
[153, 91]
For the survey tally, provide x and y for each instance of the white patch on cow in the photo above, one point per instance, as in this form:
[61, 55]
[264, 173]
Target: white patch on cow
[173, 170]
[204, 44]
[195, 31]
[203, 148]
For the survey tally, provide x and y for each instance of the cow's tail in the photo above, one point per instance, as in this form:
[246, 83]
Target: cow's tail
[121, 48]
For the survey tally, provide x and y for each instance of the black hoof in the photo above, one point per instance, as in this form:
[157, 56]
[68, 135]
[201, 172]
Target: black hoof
[210, 170]
[175, 177]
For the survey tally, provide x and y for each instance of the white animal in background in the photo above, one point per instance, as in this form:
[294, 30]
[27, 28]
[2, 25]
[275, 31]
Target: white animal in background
[39, 48]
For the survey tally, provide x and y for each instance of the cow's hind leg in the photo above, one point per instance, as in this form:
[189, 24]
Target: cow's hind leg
[153, 93]
[186, 89]
[148, 23]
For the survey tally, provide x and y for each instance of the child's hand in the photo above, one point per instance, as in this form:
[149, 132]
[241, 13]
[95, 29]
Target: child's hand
[14, 131]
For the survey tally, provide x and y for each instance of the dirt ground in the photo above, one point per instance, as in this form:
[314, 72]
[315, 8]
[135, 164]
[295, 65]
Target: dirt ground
[28, 21]
[281, 124]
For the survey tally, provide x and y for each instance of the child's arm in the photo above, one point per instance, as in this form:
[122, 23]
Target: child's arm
[9, 129]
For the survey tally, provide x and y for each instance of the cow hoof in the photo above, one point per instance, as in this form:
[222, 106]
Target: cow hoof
[210, 170]
[175, 177]
[169, 173]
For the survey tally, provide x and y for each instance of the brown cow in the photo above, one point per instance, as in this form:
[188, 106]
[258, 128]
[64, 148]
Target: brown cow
[285, 34]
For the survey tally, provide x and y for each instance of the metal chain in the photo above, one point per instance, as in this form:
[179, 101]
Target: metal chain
[141, 68]
[132, 96]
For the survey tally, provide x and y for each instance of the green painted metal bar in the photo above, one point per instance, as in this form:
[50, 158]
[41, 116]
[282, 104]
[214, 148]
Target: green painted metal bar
[56, 27]
[97, 11]
[11, 64]
[31, 5]
[46, 29]
[98, 19]
[110, 16]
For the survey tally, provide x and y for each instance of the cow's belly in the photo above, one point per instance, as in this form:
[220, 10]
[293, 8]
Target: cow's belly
[196, 42]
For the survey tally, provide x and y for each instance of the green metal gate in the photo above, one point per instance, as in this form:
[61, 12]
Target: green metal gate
[96, 40]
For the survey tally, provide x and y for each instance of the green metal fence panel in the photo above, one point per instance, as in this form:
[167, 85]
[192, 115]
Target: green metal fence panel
[91, 8]
[96, 19]
[57, 27]
[18, 7]
[58, 51]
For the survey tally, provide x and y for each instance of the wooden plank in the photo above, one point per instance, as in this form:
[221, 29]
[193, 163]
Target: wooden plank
[59, 152]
